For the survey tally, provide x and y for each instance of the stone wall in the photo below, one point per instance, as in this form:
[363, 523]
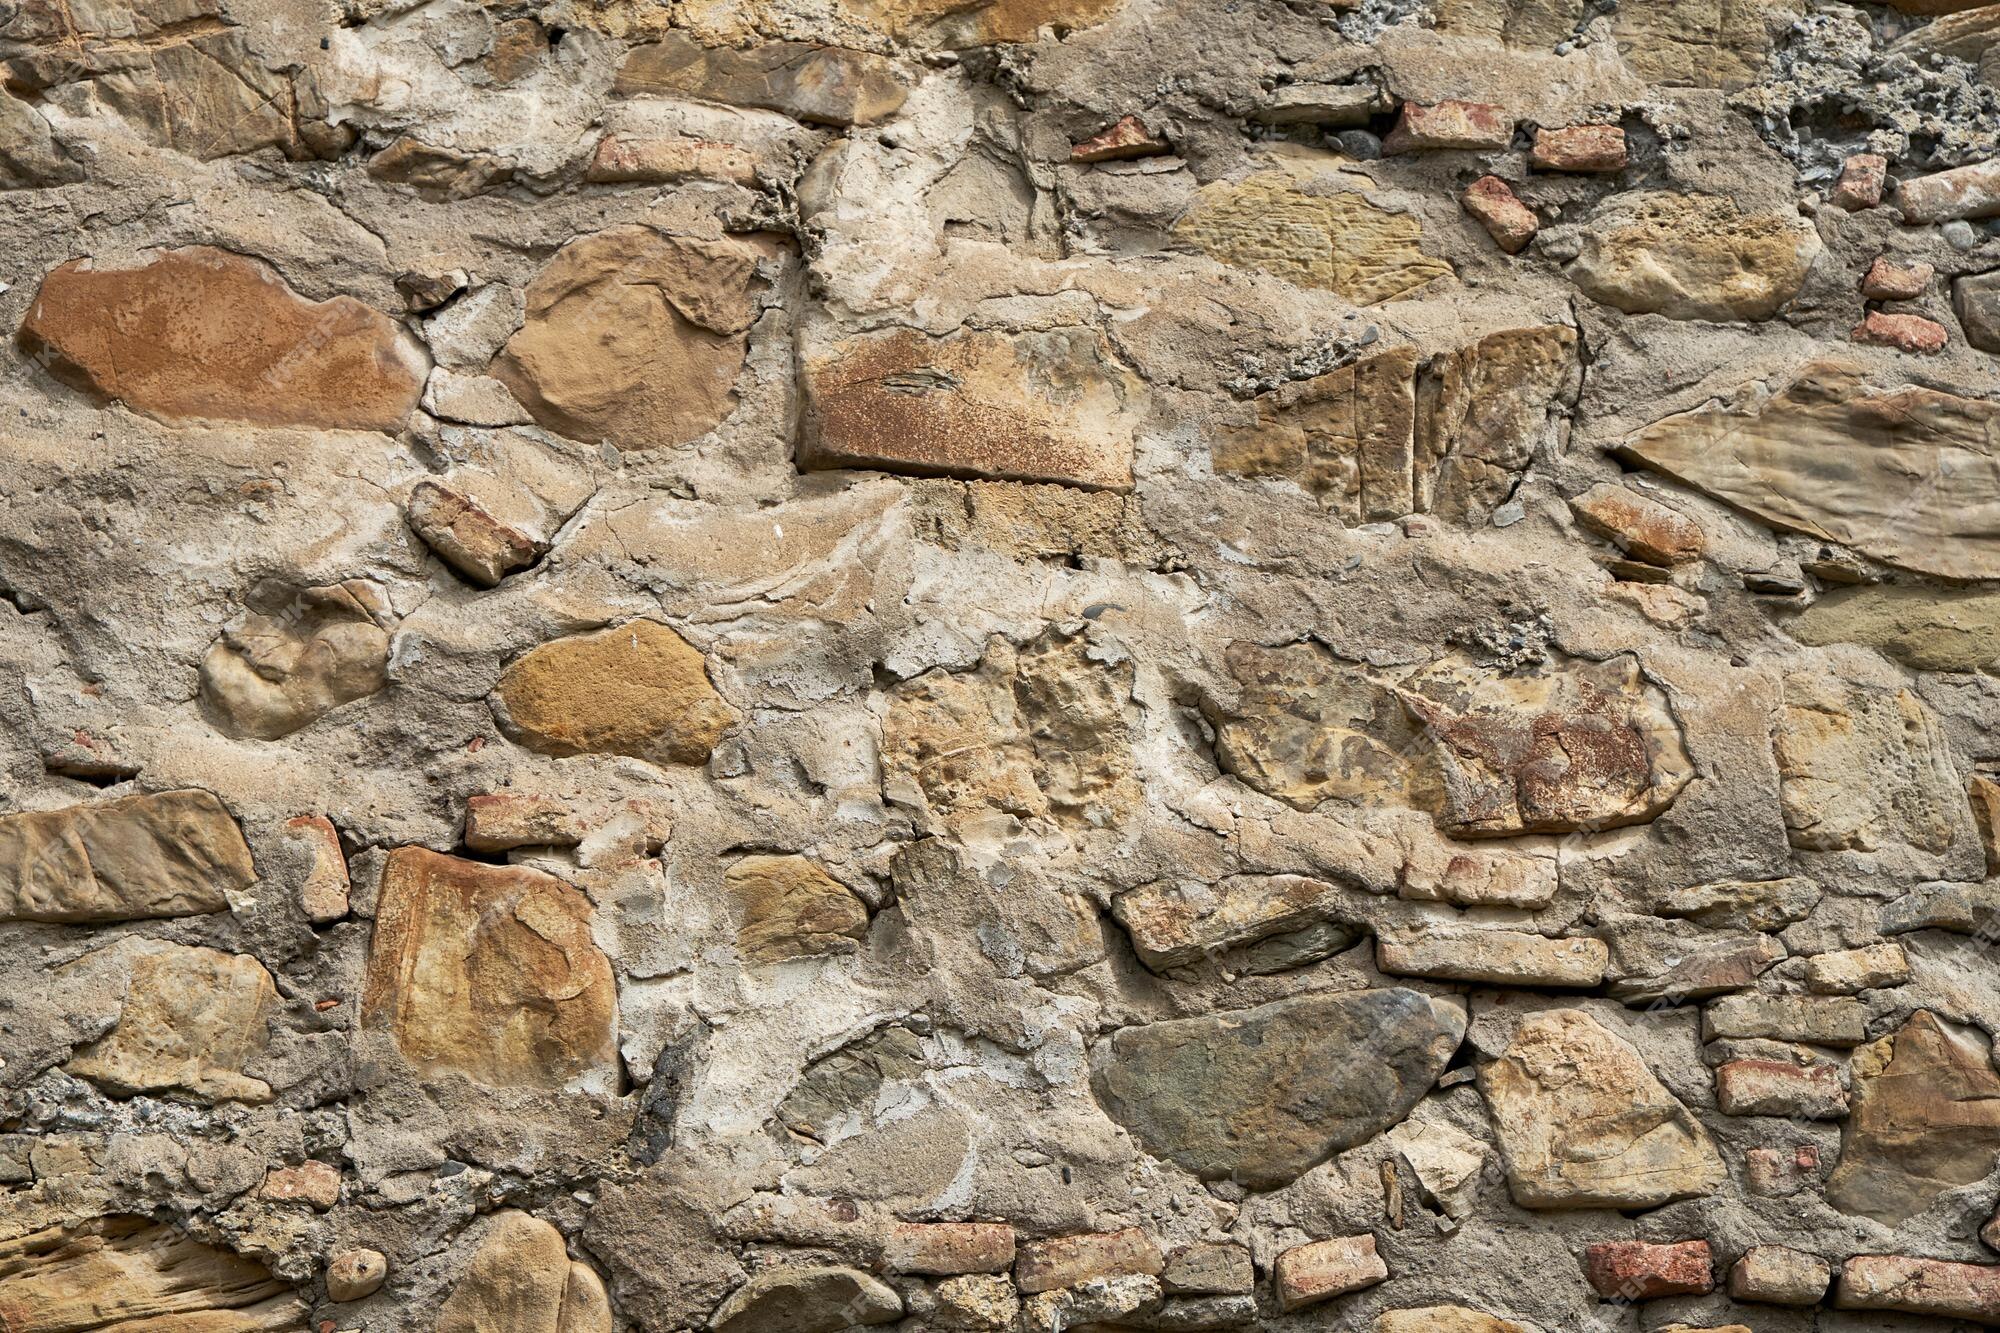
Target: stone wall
[774, 665]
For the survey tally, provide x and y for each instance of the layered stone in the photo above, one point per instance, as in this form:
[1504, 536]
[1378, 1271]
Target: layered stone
[1636, 1270]
[1177, 923]
[1493, 956]
[1818, 1021]
[1780, 1088]
[1866, 770]
[165, 854]
[1260, 1096]
[787, 907]
[466, 536]
[125, 1272]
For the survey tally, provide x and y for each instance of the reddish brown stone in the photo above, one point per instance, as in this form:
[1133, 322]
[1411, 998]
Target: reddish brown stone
[1494, 205]
[1908, 1285]
[1636, 1270]
[1315, 1272]
[1886, 280]
[949, 1249]
[323, 894]
[1581, 148]
[314, 1183]
[1963, 192]
[1064, 1261]
[506, 820]
[623, 158]
[1905, 333]
[1475, 126]
[1775, 1087]
[1860, 183]
[1128, 138]
[204, 334]
[466, 537]
[1641, 526]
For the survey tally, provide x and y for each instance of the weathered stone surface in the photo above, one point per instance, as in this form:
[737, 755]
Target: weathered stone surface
[522, 1280]
[1128, 138]
[490, 972]
[1322, 104]
[625, 158]
[1312, 235]
[970, 23]
[1895, 474]
[354, 1275]
[290, 660]
[1909, 1285]
[637, 689]
[1582, 148]
[438, 172]
[323, 894]
[467, 537]
[314, 1183]
[1848, 971]
[1635, 1270]
[1582, 1123]
[1692, 257]
[849, 1078]
[948, 1249]
[1707, 44]
[1126, 1300]
[1928, 629]
[1865, 770]
[126, 1273]
[1887, 280]
[1963, 192]
[174, 853]
[1926, 1119]
[1976, 301]
[1375, 440]
[635, 337]
[1639, 525]
[1694, 970]
[1775, 1275]
[1583, 746]
[821, 85]
[1209, 1270]
[1763, 905]
[1774, 1087]
[1175, 923]
[1486, 954]
[501, 821]
[1905, 333]
[978, 1302]
[1069, 1261]
[1773, 1173]
[1447, 1163]
[29, 156]
[1469, 126]
[787, 907]
[1862, 177]
[1044, 405]
[1446, 1319]
[1260, 1096]
[1493, 204]
[1478, 878]
[1320, 1270]
[1820, 1021]
[203, 334]
[190, 1020]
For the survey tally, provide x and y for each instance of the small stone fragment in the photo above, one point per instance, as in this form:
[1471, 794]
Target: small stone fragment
[468, 538]
[1886, 280]
[1474, 126]
[172, 853]
[1494, 957]
[1638, 524]
[1775, 1087]
[1322, 1269]
[948, 1249]
[1818, 1022]
[787, 907]
[1849, 971]
[1067, 1261]
[1969, 192]
[636, 689]
[1775, 1275]
[503, 821]
[1124, 1300]
[1208, 1270]
[1779, 1173]
[1494, 206]
[1632, 1270]
[1862, 177]
[1908, 1285]
[323, 893]
[1321, 104]
[1128, 138]
[312, 1182]
[622, 158]
[820, 85]
[439, 173]
[1905, 333]
[356, 1274]
[983, 1303]
[1580, 148]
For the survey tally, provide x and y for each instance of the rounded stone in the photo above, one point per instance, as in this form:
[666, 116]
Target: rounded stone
[354, 1274]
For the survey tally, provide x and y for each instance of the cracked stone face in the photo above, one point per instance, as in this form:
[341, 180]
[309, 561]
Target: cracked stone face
[999, 666]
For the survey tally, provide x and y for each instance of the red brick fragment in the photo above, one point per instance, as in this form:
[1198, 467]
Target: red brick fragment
[1636, 1270]
[1493, 204]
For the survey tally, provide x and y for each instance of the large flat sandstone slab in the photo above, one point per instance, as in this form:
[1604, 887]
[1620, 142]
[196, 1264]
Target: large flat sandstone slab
[175, 853]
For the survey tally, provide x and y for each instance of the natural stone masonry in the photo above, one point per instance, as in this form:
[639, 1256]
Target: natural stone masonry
[999, 666]
[202, 333]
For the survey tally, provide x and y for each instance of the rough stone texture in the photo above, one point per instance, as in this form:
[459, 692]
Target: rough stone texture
[1319, 1271]
[490, 972]
[1583, 1123]
[1261, 1096]
[1636, 1270]
[681, 619]
[202, 334]
[637, 689]
[1915, 1286]
[171, 854]
[1775, 1275]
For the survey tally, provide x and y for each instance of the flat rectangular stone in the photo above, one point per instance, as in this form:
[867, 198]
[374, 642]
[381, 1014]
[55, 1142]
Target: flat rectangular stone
[1209, 1270]
[1909, 1285]
[1816, 1021]
[1319, 1271]
[1173, 924]
[504, 820]
[172, 853]
[1636, 1270]
[1064, 1261]
[1496, 957]
[1773, 1087]
[1480, 879]
[1850, 970]
[1963, 192]
[949, 1249]
[1775, 1275]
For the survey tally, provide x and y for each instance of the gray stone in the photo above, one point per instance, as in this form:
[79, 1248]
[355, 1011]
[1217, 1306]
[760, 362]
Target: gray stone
[807, 1300]
[1976, 299]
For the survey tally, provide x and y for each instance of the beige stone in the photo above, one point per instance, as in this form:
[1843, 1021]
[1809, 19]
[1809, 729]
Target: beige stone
[1775, 1275]
[323, 893]
[1066, 1261]
[1052, 405]
[1926, 629]
[1926, 1120]
[985, 1303]
[635, 337]
[1536, 25]
[637, 689]
[622, 157]
[975, 23]
[1174, 923]
[1848, 971]
[1911, 1285]
[190, 1020]
[1480, 877]
[1489, 955]
[1693, 257]
[287, 662]
[1866, 770]
[501, 821]
[1822, 1021]
[522, 1280]
[173, 853]
[1312, 233]
[806, 1300]
[1446, 1319]
[204, 334]
[821, 85]
[125, 1272]
[1700, 43]
[490, 972]
[1764, 905]
[439, 173]
[787, 907]
[356, 1274]
[1582, 1123]
[1317, 1271]
[1901, 474]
